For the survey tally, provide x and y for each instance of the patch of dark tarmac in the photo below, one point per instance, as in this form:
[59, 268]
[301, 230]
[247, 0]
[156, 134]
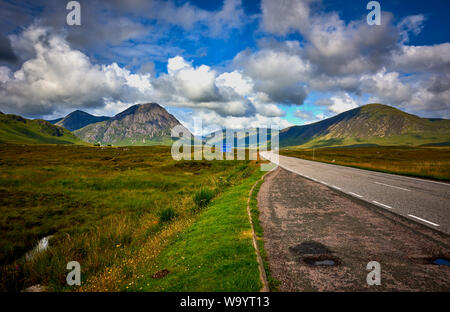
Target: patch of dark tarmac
[310, 248]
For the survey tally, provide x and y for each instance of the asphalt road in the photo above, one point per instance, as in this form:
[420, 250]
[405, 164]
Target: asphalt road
[424, 201]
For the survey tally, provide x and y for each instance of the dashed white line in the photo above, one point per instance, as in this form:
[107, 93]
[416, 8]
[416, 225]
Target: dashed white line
[354, 194]
[386, 206]
[397, 187]
[423, 220]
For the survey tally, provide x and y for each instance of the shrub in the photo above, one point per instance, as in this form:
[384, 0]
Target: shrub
[203, 197]
[167, 214]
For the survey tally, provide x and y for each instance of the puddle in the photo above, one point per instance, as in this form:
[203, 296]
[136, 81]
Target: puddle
[322, 261]
[40, 247]
[441, 261]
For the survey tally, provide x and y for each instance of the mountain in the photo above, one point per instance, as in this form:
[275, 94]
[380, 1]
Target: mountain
[372, 124]
[54, 121]
[77, 120]
[141, 124]
[19, 130]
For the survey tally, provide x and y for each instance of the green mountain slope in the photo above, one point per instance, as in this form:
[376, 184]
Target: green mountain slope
[78, 119]
[368, 125]
[19, 130]
[141, 124]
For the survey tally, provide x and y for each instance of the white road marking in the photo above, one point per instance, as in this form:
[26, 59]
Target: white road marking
[423, 220]
[397, 187]
[366, 170]
[386, 206]
[357, 195]
[336, 187]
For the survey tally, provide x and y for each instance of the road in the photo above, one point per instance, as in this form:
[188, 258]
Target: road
[424, 201]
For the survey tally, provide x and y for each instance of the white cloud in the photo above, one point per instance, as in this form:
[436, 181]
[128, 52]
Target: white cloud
[341, 103]
[277, 74]
[422, 58]
[212, 120]
[57, 78]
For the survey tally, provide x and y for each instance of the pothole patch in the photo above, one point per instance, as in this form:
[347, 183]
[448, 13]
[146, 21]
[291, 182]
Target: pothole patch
[315, 254]
[310, 248]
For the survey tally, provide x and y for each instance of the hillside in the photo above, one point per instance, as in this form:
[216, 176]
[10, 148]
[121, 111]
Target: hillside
[372, 124]
[141, 124]
[19, 130]
[77, 120]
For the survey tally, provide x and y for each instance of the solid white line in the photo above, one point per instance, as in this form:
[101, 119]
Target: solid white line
[426, 221]
[366, 170]
[386, 206]
[397, 187]
[354, 194]
[336, 187]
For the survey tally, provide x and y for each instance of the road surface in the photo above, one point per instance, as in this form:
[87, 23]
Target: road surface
[424, 201]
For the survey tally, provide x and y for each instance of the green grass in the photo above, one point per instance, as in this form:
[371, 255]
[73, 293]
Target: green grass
[259, 232]
[214, 254]
[112, 209]
[425, 162]
[394, 140]
[18, 130]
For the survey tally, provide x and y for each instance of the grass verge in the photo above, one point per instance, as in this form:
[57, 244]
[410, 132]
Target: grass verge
[259, 232]
[420, 161]
[214, 254]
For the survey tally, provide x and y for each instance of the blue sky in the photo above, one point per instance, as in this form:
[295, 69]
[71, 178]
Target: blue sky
[232, 63]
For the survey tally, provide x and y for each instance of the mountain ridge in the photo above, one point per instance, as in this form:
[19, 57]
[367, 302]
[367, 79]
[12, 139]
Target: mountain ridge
[369, 124]
[19, 130]
[77, 120]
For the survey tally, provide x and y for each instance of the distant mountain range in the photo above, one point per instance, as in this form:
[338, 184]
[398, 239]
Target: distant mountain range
[150, 124]
[19, 130]
[372, 124]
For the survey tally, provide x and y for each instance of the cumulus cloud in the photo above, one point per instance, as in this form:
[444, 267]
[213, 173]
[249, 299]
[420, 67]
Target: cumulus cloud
[422, 58]
[57, 78]
[230, 16]
[276, 73]
[341, 103]
[353, 58]
[212, 120]
[236, 93]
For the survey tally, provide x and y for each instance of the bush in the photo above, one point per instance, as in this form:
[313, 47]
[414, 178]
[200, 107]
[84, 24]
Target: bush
[167, 215]
[97, 144]
[203, 197]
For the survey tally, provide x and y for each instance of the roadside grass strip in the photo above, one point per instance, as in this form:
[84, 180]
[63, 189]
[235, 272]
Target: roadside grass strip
[215, 253]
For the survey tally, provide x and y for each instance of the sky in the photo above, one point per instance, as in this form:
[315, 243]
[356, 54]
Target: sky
[232, 63]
